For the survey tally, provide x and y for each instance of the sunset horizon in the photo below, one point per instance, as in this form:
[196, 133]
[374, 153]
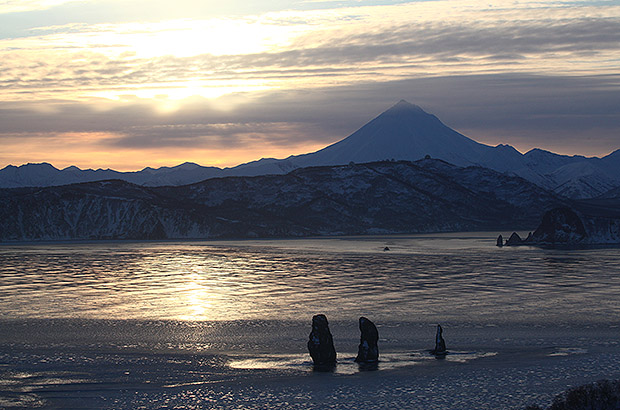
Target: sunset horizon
[126, 85]
[278, 153]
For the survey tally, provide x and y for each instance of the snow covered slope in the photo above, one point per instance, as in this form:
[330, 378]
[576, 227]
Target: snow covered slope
[403, 132]
[373, 198]
[407, 132]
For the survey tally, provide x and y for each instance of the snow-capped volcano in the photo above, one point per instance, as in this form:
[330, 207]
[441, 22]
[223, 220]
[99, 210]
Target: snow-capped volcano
[403, 132]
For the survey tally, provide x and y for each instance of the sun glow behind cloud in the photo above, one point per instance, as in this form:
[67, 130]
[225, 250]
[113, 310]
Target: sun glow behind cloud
[214, 57]
[179, 38]
[13, 6]
[158, 67]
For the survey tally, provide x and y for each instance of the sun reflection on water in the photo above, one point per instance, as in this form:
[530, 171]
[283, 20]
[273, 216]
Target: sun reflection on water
[289, 280]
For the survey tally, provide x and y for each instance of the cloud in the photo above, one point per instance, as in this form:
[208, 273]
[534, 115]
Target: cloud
[80, 64]
[557, 113]
[19, 6]
[261, 135]
[525, 73]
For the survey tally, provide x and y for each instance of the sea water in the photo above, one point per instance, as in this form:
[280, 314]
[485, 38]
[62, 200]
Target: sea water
[225, 324]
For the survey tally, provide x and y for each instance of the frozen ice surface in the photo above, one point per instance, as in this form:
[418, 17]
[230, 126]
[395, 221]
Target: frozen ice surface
[94, 364]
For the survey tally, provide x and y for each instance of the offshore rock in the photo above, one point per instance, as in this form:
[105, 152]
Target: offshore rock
[514, 239]
[321, 343]
[440, 344]
[560, 226]
[500, 241]
[368, 351]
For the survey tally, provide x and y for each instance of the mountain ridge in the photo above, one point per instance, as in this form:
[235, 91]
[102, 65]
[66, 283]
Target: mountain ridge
[356, 199]
[403, 132]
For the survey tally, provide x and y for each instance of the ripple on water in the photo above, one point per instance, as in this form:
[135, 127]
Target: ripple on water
[429, 277]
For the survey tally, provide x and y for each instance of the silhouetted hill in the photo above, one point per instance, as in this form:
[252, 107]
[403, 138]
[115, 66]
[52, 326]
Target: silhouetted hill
[372, 198]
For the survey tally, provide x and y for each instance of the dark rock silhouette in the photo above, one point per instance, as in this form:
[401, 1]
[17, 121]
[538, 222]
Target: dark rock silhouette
[500, 241]
[440, 344]
[560, 225]
[514, 239]
[321, 343]
[368, 351]
[386, 249]
[565, 227]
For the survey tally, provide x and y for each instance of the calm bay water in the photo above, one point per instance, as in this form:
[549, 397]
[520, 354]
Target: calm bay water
[450, 277]
[223, 325]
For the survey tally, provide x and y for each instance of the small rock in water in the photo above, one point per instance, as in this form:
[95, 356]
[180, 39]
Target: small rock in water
[514, 239]
[500, 241]
[440, 344]
[386, 249]
[368, 351]
[321, 343]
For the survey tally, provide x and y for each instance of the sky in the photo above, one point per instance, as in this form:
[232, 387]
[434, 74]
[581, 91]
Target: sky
[126, 84]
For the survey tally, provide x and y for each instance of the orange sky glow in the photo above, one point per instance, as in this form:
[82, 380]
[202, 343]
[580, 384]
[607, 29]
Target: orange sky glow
[113, 88]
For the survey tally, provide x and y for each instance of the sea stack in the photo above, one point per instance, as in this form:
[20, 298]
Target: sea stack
[440, 344]
[500, 241]
[368, 351]
[562, 226]
[514, 240]
[321, 343]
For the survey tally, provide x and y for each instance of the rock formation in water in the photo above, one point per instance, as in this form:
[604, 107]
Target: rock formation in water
[500, 241]
[440, 344]
[321, 343]
[560, 226]
[514, 239]
[567, 227]
[590, 225]
[368, 350]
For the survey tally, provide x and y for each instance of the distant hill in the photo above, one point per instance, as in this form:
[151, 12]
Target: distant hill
[403, 132]
[43, 175]
[373, 198]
